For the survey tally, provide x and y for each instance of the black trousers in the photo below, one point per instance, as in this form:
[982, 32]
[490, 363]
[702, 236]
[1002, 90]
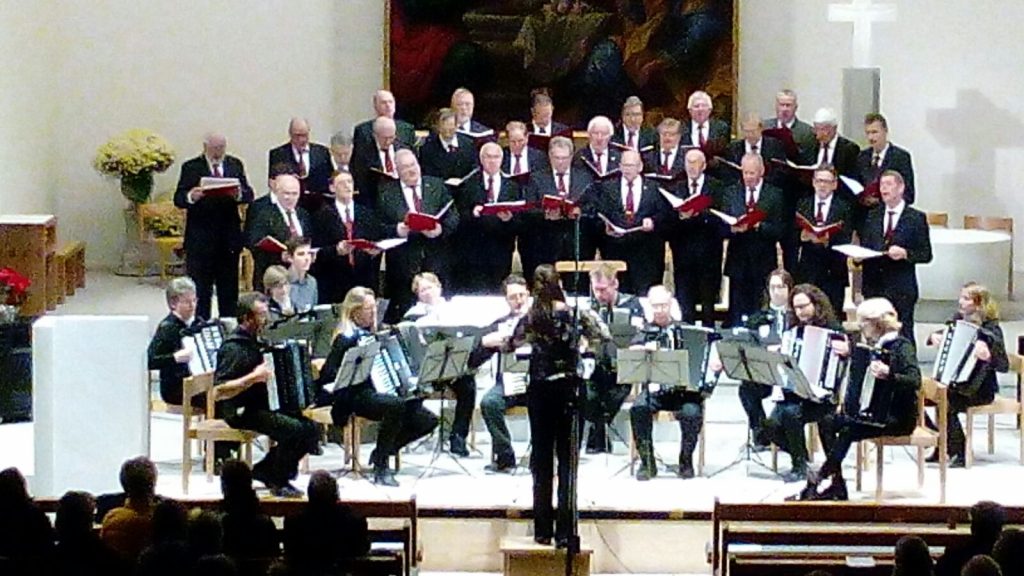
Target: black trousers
[746, 288]
[697, 281]
[465, 400]
[492, 407]
[751, 396]
[960, 402]
[785, 427]
[838, 433]
[688, 408]
[293, 436]
[551, 406]
[603, 401]
[401, 420]
[218, 269]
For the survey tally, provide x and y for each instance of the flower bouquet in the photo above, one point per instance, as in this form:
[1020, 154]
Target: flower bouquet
[13, 291]
[133, 157]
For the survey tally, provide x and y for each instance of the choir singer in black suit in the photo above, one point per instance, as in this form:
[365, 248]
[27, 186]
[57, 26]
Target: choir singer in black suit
[339, 266]
[384, 106]
[632, 132]
[484, 242]
[696, 243]
[709, 134]
[687, 405]
[281, 220]
[426, 251]
[635, 213]
[213, 228]
[818, 264]
[311, 162]
[882, 155]
[447, 153]
[834, 149]
[373, 164]
[901, 233]
[751, 256]
[521, 160]
[786, 105]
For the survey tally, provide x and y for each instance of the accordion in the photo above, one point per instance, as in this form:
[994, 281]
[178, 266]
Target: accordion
[811, 348]
[864, 400]
[390, 373]
[956, 361]
[697, 341]
[290, 388]
[203, 340]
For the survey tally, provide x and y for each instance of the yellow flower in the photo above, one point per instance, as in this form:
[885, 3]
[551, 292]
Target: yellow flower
[134, 152]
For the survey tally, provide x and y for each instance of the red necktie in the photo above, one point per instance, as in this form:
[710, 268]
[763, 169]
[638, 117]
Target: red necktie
[302, 165]
[516, 167]
[561, 185]
[664, 162]
[453, 148]
[417, 200]
[492, 196]
[389, 166]
[751, 200]
[291, 223]
[701, 139]
[630, 203]
[631, 141]
[217, 172]
[694, 189]
[819, 218]
[824, 154]
[876, 160]
[597, 161]
[349, 229]
[890, 227]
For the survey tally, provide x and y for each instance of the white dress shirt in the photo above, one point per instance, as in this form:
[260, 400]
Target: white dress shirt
[897, 211]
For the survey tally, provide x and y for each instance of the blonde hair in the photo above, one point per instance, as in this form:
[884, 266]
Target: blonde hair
[353, 302]
[274, 277]
[424, 277]
[880, 313]
[982, 299]
[604, 271]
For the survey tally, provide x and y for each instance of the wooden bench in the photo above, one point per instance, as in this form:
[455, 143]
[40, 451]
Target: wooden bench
[406, 535]
[71, 257]
[828, 526]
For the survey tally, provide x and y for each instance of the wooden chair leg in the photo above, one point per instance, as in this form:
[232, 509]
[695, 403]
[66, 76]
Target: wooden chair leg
[209, 460]
[775, 458]
[700, 450]
[186, 461]
[860, 468]
[1020, 436]
[879, 460]
[968, 439]
[248, 453]
[991, 433]
[356, 440]
[920, 467]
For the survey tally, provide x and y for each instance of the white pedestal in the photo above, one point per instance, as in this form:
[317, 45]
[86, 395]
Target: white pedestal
[90, 400]
[960, 256]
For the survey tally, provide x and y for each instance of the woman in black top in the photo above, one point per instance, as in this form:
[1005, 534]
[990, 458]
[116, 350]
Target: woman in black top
[896, 371]
[554, 389]
[976, 306]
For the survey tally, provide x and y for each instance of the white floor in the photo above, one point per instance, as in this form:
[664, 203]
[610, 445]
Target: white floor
[605, 482]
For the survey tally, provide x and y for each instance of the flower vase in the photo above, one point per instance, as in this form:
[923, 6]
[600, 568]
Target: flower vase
[8, 314]
[136, 188]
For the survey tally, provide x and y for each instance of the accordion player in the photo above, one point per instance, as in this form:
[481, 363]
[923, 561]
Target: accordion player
[290, 385]
[686, 403]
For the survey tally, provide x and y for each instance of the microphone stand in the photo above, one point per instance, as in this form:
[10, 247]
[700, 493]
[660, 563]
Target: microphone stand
[572, 547]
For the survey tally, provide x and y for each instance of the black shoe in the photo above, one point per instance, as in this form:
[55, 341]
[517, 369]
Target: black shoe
[384, 477]
[457, 446]
[646, 472]
[685, 471]
[286, 490]
[501, 466]
[835, 491]
[562, 542]
[542, 540]
[597, 442]
[808, 494]
[933, 458]
[957, 461]
[261, 473]
[795, 475]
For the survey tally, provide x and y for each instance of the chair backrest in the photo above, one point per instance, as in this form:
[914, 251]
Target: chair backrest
[936, 392]
[165, 212]
[989, 223]
[938, 219]
[589, 265]
[198, 384]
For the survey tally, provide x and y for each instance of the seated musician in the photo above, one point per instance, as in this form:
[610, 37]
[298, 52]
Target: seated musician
[976, 306]
[767, 326]
[278, 290]
[402, 420]
[785, 427]
[898, 371]
[241, 395]
[302, 285]
[166, 352]
[687, 405]
[604, 394]
[429, 310]
[497, 400]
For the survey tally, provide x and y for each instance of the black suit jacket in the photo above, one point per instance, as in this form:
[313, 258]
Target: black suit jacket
[652, 165]
[771, 149]
[803, 136]
[419, 253]
[649, 204]
[716, 141]
[646, 138]
[213, 225]
[536, 161]
[819, 260]
[366, 169]
[270, 222]
[883, 275]
[554, 240]
[755, 248]
[486, 238]
[334, 274]
[362, 135]
[318, 173]
[697, 239]
[436, 161]
[585, 155]
[897, 159]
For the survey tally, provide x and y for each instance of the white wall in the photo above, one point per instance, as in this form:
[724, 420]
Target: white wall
[950, 89]
[181, 69]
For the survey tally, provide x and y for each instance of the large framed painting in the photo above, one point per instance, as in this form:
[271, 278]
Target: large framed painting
[591, 55]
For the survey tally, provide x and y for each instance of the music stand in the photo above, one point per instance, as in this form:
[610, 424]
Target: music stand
[355, 367]
[444, 361]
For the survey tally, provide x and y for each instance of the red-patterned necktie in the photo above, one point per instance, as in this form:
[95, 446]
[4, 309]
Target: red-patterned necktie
[664, 162]
[349, 230]
[597, 161]
[819, 218]
[217, 172]
[291, 223]
[516, 167]
[631, 141]
[694, 188]
[890, 227]
[492, 195]
[561, 185]
[824, 154]
[302, 169]
[751, 200]
[701, 139]
[630, 203]
[417, 200]
[389, 166]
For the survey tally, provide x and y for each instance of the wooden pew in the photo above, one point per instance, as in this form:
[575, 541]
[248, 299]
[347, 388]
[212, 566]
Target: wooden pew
[835, 525]
[405, 535]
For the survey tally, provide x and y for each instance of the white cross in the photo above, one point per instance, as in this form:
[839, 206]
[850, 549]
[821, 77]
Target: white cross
[862, 13]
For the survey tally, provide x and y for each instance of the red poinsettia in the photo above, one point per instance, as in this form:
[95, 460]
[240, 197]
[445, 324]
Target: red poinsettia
[13, 287]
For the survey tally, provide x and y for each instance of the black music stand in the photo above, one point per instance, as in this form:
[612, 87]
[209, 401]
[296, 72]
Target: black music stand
[355, 368]
[669, 368]
[444, 361]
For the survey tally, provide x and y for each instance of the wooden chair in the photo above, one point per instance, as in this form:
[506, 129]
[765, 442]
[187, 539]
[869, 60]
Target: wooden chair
[813, 445]
[922, 437]
[666, 416]
[999, 223]
[245, 261]
[163, 214]
[940, 219]
[208, 429]
[1001, 405]
[587, 266]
